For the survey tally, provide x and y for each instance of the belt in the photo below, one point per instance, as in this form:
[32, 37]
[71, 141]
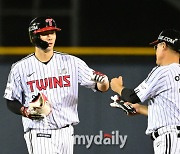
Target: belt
[154, 135]
[66, 126]
[163, 130]
[52, 129]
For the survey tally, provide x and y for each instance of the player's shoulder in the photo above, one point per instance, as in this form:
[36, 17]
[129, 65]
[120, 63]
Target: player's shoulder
[158, 71]
[169, 67]
[66, 55]
[173, 68]
[22, 60]
[163, 70]
[173, 65]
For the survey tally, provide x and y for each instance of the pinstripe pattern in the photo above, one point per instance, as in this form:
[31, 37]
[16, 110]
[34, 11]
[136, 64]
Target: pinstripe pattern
[161, 90]
[50, 141]
[167, 143]
[58, 80]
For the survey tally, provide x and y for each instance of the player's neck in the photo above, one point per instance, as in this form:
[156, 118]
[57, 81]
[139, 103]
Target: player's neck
[43, 56]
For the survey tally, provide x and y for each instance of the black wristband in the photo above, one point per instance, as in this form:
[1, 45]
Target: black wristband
[128, 95]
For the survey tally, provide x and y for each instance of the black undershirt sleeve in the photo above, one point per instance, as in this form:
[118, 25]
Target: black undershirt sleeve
[14, 106]
[128, 95]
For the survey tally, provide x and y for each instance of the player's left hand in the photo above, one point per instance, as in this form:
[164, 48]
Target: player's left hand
[135, 108]
[140, 109]
[118, 103]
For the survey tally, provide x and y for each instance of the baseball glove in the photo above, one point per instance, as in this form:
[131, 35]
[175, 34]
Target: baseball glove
[118, 103]
[99, 77]
[38, 109]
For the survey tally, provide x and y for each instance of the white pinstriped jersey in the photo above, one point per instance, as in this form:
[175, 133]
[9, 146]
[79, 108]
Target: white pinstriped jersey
[58, 80]
[161, 89]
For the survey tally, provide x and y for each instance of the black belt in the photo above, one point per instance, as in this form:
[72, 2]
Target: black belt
[66, 126]
[60, 128]
[155, 134]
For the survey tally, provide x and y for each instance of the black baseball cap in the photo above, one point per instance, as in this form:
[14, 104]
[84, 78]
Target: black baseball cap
[171, 37]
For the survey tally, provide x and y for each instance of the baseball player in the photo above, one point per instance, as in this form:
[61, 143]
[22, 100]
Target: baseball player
[161, 89]
[53, 77]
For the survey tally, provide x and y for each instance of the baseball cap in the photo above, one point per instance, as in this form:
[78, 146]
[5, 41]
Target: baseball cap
[171, 37]
[42, 24]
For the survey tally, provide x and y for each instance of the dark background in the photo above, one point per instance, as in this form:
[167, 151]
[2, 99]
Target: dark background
[115, 23]
[90, 22]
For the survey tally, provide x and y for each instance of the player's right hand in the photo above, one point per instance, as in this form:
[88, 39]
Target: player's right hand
[117, 84]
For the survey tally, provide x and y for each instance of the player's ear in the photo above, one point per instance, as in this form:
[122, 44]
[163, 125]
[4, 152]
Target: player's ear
[164, 45]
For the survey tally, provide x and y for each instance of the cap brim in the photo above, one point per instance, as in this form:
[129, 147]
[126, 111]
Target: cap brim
[47, 29]
[154, 42]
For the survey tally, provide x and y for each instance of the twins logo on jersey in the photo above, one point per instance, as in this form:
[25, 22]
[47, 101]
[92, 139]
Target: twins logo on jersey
[51, 82]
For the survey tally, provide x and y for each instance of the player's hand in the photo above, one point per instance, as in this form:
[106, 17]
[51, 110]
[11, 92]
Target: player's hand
[38, 108]
[117, 84]
[101, 80]
[25, 112]
[118, 103]
[99, 77]
[140, 109]
[134, 106]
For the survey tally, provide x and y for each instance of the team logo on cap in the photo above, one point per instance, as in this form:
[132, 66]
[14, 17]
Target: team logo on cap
[167, 39]
[49, 21]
